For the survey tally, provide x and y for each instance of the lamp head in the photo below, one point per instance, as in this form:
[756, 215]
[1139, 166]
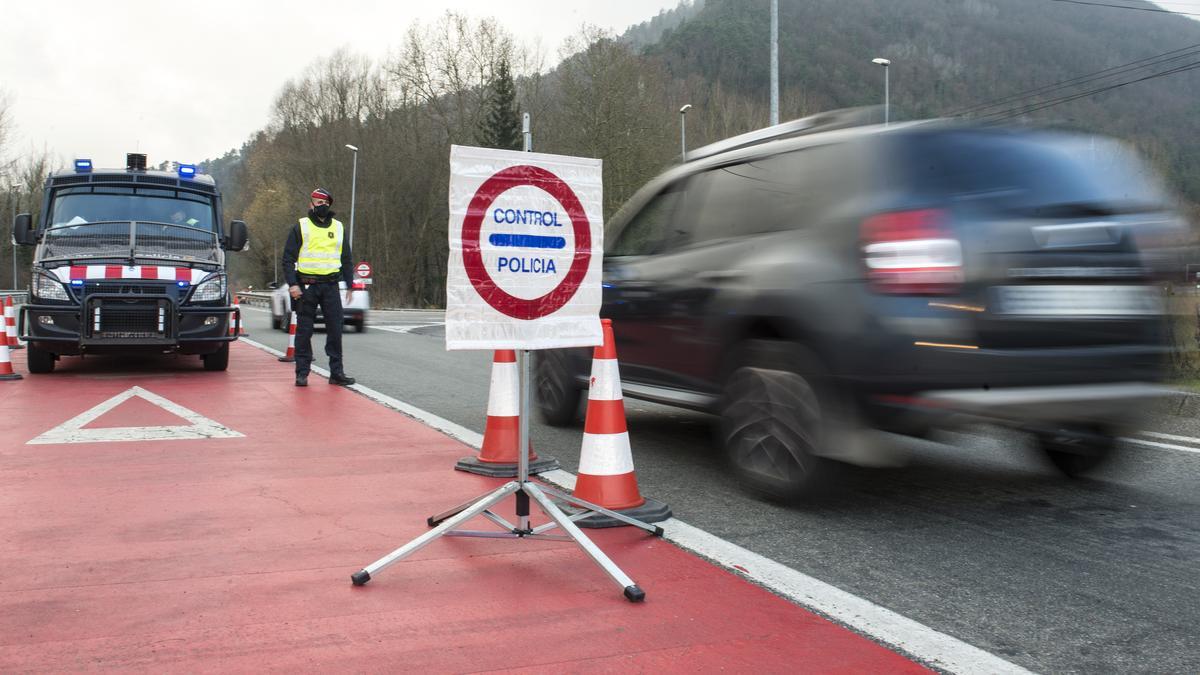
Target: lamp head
[685, 108]
[882, 62]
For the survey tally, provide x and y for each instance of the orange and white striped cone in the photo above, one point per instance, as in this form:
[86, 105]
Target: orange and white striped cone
[6, 369]
[502, 434]
[10, 324]
[606, 475]
[290, 355]
[241, 329]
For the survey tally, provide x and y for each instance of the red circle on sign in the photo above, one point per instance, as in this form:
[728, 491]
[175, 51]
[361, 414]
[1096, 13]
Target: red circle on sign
[501, 300]
[363, 270]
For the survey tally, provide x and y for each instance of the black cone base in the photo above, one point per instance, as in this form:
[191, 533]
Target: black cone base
[286, 359]
[653, 511]
[494, 470]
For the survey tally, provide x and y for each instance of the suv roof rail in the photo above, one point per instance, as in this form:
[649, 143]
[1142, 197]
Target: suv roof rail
[826, 121]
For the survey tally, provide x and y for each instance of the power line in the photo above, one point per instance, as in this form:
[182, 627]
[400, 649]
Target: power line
[1139, 9]
[1004, 115]
[1150, 61]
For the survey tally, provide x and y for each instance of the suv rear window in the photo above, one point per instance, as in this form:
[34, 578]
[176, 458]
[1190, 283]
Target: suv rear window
[1024, 170]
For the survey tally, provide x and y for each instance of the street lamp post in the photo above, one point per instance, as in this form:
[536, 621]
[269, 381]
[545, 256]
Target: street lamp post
[12, 194]
[886, 103]
[774, 62]
[353, 187]
[683, 132]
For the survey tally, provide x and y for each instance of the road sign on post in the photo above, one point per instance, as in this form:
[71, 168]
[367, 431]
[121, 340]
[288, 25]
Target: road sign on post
[362, 272]
[526, 238]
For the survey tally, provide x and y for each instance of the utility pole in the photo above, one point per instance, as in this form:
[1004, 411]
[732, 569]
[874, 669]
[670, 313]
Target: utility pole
[12, 194]
[774, 62]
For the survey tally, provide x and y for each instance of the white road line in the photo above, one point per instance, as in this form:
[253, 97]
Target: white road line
[1171, 437]
[404, 329]
[1164, 446]
[879, 623]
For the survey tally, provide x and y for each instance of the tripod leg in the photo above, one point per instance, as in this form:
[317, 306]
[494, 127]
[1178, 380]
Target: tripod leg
[652, 529]
[631, 590]
[363, 576]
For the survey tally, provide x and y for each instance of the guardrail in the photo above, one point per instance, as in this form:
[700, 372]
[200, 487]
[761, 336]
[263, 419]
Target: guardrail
[255, 298]
[18, 297]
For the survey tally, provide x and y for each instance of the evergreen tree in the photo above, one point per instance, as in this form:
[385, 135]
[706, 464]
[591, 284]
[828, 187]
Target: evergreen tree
[501, 127]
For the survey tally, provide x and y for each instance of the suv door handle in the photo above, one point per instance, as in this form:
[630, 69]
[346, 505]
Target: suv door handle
[720, 275]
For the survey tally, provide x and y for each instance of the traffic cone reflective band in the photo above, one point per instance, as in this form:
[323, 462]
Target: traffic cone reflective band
[10, 324]
[606, 475]
[291, 350]
[502, 433]
[6, 369]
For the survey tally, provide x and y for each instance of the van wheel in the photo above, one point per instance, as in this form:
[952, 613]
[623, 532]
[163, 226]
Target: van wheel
[776, 411]
[218, 360]
[38, 361]
[556, 395]
[360, 326]
[1077, 451]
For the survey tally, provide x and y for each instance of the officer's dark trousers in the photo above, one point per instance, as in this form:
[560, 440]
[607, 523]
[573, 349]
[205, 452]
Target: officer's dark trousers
[325, 295]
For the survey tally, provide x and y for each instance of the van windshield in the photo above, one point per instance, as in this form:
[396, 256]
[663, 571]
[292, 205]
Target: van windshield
[77, 206]
[1022, 170]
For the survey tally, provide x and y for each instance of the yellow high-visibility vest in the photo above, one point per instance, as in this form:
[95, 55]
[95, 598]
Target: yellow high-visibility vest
[320, 248]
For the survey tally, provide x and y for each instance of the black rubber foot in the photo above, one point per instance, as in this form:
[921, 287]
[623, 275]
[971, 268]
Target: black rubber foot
[362, 576]
[634, 594]
[12, 376]
[658, 532]
[287, 360]
[653, 511]
[431, 522]
[493, 470]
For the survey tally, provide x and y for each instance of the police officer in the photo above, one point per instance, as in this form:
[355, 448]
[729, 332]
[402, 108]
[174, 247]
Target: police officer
[315, 258]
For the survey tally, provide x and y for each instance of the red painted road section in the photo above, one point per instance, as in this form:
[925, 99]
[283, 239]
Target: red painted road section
[234, 554]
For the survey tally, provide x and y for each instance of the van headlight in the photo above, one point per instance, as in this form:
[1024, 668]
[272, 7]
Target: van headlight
[46, 287]
[212, 288]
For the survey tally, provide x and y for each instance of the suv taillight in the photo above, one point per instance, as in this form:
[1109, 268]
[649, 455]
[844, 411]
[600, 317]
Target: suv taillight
[911, 253]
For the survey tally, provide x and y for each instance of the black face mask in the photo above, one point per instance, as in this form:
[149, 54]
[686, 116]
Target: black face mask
[320, 211]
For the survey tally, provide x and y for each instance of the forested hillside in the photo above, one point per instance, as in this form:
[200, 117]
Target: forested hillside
[618, 99]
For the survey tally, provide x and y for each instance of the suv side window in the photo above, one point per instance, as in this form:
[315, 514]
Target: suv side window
[781, 192]
[648, 229]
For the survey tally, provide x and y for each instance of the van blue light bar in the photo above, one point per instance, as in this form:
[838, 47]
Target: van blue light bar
[187, 170]
[83, 166]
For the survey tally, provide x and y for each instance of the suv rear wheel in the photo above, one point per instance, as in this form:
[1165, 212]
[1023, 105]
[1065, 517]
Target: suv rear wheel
[773, 421]
[1077, 451]
[556, 396]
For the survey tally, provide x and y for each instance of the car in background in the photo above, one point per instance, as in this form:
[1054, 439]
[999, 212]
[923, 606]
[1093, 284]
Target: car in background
[819, 282]
[353, 315]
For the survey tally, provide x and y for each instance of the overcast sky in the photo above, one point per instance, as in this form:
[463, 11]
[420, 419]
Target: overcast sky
[188, 81]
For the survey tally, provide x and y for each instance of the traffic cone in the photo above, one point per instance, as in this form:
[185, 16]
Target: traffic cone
[10, 324]
[290, 356]
[606, 475]
[6, 369]
[241, 329]
[502, 435]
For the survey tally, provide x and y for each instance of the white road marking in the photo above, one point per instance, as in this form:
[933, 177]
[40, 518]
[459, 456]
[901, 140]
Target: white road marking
[72, 430]
[405, 329]
[1171, 437]
[1164, 446]
[901, 633]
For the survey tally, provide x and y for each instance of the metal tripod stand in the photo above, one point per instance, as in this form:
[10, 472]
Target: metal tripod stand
[447, 522]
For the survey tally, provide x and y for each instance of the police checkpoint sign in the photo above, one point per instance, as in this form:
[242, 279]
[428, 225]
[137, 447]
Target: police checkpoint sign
[526, 241]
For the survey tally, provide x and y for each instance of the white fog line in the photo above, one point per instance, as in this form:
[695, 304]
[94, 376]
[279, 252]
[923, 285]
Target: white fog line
[1164, 446]
[404, 329]
[1171, 437]
[879, 623]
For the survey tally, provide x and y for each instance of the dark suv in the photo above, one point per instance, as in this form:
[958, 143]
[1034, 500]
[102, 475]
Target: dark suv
[816, 282]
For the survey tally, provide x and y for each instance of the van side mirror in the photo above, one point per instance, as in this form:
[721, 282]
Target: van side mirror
[238, 236]
[23, 233]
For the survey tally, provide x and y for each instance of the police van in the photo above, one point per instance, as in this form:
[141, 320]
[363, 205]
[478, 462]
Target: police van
[129, 261]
